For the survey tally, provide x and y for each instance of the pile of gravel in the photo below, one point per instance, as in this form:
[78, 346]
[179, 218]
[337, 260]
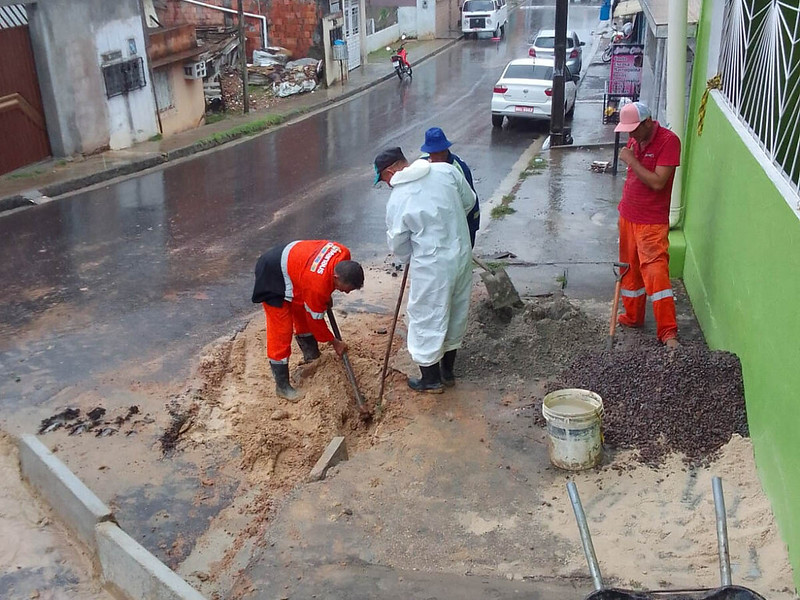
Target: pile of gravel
[658, 402]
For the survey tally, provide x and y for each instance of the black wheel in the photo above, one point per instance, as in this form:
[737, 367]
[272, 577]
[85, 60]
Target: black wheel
[607, 54]
[399, 74]
[502, 30]
[571, 112]
[497, 120]
[410, 72]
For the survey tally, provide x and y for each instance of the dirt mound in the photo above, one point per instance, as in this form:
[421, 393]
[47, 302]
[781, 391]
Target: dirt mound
[528, 343]
[657, 402]
[233, 396]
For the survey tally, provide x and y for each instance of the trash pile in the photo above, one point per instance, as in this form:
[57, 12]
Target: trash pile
[271, 66]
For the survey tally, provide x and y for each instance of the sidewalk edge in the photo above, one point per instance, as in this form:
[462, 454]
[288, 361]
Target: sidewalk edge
[125, 566]
[18, 200]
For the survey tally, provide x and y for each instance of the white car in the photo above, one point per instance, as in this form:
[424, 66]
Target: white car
[525, 91]
[479, 16]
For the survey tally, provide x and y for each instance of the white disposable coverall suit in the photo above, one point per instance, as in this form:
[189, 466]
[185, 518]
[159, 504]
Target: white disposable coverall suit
[426, 224]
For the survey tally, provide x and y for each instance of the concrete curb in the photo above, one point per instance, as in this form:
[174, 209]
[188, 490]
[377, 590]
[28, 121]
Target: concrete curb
[335, 453]
[130, 569]
[52, 190]
[74, 503]
[125, 566]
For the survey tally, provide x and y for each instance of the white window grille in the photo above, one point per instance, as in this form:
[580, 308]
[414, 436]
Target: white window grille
[760, 66]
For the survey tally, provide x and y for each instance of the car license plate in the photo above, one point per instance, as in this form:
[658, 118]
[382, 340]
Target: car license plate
[528, 109]
[395, 63]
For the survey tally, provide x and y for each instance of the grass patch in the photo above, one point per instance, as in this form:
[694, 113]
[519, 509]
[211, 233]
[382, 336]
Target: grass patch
[535, 166]
[155, 138]
[26, 174]
[504, 208]
[61, 163]
[243, 130]
[382, 54]
[215, 118]
[495, 265]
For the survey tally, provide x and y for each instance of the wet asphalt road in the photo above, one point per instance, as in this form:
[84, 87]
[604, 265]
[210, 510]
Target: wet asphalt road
[148, 270]
[135, 268]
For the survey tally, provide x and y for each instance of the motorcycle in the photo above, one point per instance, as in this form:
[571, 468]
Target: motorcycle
[400, 60]
[617, 37]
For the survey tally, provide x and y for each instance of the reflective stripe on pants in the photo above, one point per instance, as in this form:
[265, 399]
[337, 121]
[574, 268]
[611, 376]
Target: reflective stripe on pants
[645, 249]
[281, 322]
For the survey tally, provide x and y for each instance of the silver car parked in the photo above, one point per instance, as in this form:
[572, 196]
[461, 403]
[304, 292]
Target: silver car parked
[544, 42]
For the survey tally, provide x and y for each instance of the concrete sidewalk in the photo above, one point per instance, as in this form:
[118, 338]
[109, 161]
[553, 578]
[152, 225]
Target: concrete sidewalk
[48, 179]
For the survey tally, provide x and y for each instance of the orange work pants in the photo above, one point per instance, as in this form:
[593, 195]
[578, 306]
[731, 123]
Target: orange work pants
[291, 316]
[645, 249]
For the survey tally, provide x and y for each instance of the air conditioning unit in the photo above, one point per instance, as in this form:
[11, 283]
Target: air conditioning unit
[195, 70]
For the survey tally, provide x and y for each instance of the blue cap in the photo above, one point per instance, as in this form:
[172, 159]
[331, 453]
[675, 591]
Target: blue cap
[435, 141]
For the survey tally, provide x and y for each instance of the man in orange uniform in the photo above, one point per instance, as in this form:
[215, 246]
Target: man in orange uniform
[652, 154]
[294, 283]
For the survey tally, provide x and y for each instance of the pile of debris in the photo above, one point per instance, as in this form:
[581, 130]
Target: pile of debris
[272, 66]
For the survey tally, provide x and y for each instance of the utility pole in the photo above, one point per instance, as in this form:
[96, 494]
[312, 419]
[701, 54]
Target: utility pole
[557, 137]
[243, 59]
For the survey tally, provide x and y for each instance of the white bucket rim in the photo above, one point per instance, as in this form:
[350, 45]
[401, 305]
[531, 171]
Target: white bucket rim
[591, 398]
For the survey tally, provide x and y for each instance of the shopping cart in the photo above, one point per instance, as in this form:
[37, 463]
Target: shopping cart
[726, 591]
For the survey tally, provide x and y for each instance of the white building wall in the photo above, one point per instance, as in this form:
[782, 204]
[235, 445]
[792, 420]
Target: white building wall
[407, 20]
[383, 38]
[131, 117]
[426, 19]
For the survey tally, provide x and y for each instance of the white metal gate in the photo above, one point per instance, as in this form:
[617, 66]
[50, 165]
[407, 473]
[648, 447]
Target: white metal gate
[352, 32]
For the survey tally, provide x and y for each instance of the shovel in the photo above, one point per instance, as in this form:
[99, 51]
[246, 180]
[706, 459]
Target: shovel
[351, 377]
[620, 268]
[502, 293]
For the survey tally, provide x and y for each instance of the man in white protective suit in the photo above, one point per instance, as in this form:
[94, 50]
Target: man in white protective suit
[426, 225]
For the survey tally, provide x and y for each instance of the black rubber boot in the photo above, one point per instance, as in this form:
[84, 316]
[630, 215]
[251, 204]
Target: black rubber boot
[284, 389]
[309, 347]
[446, 365]
[430, 383]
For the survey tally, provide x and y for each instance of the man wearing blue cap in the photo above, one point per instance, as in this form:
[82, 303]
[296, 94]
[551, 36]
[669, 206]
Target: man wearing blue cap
[437, 148]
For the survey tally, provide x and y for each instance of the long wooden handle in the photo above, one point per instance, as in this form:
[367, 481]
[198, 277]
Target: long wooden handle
[351, 376]
[391, 335]
[613, 325]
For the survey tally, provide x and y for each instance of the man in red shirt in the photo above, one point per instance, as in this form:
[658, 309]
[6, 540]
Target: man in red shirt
[652, 154]
[294, 283]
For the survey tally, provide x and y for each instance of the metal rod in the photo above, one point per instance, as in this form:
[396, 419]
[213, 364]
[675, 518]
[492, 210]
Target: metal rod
[722, 533]
[586, 537]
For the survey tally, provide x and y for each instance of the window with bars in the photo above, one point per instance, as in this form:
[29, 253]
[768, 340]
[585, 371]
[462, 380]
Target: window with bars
[124, 76]
[760, 66]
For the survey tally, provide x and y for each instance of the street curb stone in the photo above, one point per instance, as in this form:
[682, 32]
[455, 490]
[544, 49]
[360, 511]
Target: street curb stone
[335, 453]
[75, 504]
[130, 569]
[126, 566]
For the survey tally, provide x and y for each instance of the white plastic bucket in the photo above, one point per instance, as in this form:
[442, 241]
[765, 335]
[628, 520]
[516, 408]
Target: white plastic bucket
[575, 438]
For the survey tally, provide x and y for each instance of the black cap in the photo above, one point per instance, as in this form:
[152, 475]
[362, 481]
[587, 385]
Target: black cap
[387, 158]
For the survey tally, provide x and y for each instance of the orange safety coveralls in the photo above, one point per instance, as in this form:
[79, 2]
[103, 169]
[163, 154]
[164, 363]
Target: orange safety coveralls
[645, 249]
[644, 237]
[307, 268]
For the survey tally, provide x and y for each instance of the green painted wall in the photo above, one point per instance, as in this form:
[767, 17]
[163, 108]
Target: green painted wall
[742, 272]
